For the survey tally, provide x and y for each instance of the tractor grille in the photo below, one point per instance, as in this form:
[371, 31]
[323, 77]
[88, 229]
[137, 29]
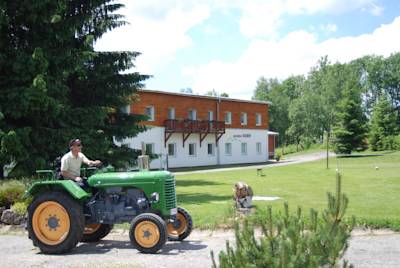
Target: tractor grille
[170, 195]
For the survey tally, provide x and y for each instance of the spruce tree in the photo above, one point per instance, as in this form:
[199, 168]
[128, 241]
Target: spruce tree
[351, 129]
[55, 86]
[384, 126]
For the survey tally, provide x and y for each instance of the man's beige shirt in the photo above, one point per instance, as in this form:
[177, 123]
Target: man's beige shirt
[72, 164]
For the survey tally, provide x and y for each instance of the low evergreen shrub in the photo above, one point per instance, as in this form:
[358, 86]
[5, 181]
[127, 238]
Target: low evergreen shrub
[290, 241]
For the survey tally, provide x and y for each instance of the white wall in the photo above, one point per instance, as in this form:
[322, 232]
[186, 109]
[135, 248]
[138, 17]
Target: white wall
[155, 135]
[238, 136]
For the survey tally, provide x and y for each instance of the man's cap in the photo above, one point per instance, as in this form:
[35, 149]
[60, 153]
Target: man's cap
[74, 142]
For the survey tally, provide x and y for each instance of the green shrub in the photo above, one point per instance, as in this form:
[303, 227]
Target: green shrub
[11, 191]
[20, 207]
[291, 241]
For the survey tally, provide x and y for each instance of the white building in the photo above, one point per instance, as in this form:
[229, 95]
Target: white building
[191, 130]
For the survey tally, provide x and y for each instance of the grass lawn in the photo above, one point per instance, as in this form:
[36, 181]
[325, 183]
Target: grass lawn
[374, 194]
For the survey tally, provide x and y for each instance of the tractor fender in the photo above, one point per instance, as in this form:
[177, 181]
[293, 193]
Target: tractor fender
[66, 185]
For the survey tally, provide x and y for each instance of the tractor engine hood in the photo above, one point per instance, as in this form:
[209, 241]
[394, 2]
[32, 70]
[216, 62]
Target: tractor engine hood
[126, 179]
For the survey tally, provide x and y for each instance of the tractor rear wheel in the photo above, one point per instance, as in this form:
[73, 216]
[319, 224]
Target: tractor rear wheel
[95, 232]
[55, 222]
[148, 233]
[181, 228]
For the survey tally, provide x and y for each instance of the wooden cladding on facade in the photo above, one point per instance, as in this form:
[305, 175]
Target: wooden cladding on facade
[201, 107]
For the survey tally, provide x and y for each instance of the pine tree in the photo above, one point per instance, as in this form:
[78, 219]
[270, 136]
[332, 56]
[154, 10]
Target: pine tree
[55, 87]
[351, 129]
[383, 126]
[288, 241]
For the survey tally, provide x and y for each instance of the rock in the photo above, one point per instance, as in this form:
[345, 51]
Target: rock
[1, 210]
[11, 217]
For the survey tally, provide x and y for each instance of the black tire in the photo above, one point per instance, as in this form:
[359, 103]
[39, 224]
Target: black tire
[180, 232]
[159, 230]
[96, 236]
[67, 207]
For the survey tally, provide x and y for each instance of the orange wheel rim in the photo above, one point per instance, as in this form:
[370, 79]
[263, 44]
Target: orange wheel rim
[181, 228]
[91, 228]
[51, 223]
[147, 234]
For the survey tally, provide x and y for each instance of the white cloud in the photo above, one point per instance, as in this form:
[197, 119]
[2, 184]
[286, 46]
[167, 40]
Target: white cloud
[328, 28]
[157, 30]
[294, 54]
[262, 18]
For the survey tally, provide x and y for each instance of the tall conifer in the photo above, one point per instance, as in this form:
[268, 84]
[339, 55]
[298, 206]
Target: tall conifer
[351, 128]
[55, 86]
[384, 126]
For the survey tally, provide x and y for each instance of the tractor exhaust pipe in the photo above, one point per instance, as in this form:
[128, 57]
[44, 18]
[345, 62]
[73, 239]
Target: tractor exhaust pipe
[143, 160]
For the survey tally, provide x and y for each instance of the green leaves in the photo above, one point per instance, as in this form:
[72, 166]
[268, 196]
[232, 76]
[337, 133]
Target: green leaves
[55, 18]
[39, 83]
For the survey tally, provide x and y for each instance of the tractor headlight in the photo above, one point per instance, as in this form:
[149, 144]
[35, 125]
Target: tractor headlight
[155, 197]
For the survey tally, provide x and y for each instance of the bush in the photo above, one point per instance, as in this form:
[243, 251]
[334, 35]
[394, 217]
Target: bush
[278, 156]
[289, 241]
[11, 191]
[20, 207]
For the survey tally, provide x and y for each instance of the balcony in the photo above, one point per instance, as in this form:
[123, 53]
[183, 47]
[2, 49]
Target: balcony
[188, 127]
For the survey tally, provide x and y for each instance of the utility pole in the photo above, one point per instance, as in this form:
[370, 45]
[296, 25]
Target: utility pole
[327, 149]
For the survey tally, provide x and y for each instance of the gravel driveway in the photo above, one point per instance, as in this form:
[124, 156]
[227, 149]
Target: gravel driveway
[367, 249]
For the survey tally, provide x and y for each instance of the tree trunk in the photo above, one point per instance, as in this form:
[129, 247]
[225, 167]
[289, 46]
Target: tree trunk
[1, 171]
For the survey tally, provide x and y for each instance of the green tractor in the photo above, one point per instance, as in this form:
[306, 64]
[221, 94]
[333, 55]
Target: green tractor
[63, 213]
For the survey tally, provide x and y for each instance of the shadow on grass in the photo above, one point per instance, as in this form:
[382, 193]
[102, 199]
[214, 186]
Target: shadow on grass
[358, 155]
[202, 198]
[180, 182]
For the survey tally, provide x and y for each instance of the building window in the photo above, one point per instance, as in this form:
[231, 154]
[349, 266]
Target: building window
[149, 111]
[210, 115]
[192, 149]
[258, 120]
[258, 147]
[228, 118]
[244, 148]
[243, 118]
[172, 149]
[171, 113]
[210, 149]
[192, 114]
[228, 148]
[149, 148]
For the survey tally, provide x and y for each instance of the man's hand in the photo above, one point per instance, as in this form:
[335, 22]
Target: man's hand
[78, 179]
[96, 163]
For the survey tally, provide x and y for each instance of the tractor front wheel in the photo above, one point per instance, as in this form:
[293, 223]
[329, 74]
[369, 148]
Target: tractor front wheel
[95, 232]
[55, 222]
[148, 233]
[181, 227]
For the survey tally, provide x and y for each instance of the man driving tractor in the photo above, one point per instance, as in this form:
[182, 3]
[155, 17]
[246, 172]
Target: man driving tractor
[71, 162]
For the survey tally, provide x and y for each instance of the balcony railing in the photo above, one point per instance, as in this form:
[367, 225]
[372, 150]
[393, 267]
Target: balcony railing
[193, 126]
[187, 127]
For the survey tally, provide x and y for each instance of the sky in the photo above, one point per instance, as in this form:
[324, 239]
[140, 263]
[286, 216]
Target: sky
[227, 45]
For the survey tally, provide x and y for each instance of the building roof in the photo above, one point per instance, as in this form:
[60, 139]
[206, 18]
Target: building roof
[203, 96]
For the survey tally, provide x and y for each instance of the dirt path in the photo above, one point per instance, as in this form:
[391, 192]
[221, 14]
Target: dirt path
[284, 162]
[367, 249]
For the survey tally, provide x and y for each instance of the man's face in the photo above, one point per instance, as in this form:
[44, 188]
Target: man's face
[76, 147]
